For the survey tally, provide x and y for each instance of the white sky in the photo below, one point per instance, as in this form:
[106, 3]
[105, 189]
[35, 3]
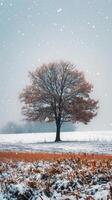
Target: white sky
[38, 31]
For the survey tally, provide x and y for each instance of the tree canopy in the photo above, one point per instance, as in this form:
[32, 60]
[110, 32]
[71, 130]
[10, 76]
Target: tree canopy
[58, 92]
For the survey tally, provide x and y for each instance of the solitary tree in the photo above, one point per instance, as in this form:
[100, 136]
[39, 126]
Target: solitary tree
[58, 92]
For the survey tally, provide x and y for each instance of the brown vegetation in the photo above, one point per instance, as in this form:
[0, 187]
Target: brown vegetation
[29, 156]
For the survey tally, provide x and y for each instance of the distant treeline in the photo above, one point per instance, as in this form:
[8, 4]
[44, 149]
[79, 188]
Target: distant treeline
[31, 127]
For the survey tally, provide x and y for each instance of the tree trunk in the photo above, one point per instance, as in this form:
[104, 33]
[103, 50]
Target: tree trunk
[58, 127]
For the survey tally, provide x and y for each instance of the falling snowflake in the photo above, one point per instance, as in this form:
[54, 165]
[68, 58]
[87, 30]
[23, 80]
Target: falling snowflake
[110, 124]
[8, 18]
[106, 17]
[93, 26]
[1, 3]
[59, 10]
[97, 36]
[10, 4]
[105, 94]
[54, 24]
[98, 73]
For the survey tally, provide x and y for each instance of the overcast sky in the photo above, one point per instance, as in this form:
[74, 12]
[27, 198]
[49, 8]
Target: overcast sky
[38, 31]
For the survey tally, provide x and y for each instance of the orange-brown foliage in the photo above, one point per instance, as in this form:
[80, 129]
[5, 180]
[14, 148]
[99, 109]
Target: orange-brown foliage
[29, 156]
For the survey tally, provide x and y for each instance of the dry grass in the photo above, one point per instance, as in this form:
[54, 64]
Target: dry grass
[30, 157]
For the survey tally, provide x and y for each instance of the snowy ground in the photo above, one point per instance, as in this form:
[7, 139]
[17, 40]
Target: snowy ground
[70, 179]
[90, 142]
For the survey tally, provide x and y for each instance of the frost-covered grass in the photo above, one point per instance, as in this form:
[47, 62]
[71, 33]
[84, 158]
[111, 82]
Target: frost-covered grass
[89, 142]
[68, 179]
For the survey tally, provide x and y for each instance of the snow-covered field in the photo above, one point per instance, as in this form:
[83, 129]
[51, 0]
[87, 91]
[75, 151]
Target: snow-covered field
[67, 179]
[89, 142]
[70, 179]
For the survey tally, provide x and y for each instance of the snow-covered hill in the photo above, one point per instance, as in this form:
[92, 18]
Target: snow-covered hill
[96, 142]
